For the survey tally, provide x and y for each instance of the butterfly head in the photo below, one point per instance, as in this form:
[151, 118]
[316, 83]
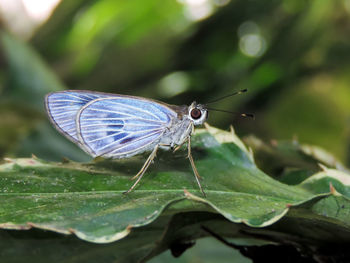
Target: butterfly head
[197, 113]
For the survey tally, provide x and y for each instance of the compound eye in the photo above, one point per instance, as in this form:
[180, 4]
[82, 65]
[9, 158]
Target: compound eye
[196, 114]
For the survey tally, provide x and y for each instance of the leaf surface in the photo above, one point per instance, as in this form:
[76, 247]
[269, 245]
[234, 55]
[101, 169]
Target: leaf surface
[87, 199]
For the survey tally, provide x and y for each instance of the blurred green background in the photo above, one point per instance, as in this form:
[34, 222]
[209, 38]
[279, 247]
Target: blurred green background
[292, 55]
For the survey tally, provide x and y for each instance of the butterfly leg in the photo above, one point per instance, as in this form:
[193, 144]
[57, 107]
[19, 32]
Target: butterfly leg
[143, 169]
[193, 165]
[179, 146]
[147, 163]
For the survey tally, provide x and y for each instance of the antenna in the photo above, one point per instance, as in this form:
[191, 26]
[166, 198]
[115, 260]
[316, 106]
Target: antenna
[226, 96]
[249, 115]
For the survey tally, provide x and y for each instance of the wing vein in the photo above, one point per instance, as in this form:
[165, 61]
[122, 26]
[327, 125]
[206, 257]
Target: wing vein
[135, 108]
[131, 134]
[141, 138]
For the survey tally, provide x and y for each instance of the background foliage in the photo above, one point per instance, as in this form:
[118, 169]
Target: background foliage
[292, 55]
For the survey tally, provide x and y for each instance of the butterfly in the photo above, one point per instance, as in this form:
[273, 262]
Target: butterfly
[120, 126]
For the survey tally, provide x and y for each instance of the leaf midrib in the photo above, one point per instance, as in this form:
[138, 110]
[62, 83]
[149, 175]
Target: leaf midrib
[217, 192]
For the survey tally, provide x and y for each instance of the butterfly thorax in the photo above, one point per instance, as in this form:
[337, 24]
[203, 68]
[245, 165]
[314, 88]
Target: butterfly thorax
[177, 133]
[182, 127]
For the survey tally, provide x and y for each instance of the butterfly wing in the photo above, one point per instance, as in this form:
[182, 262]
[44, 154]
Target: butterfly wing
[122, 126]
[62, 108]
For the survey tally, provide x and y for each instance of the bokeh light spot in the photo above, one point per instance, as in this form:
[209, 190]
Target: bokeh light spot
[174, 84]
[251, 42]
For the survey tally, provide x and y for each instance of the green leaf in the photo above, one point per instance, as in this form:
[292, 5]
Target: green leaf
[290, 161]
[87, 199]
[22, 106]
[45, 246]
[30, 77]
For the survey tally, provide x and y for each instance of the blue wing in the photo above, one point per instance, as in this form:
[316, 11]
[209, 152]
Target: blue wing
[62, 108]
[121, 126]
